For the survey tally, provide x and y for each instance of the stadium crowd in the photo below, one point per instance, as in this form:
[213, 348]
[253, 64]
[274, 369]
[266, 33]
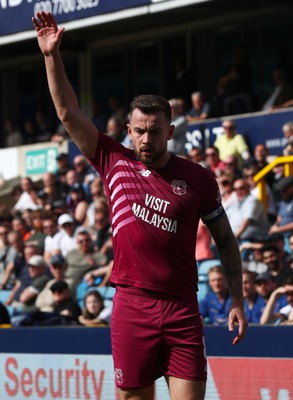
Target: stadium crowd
[56, 241]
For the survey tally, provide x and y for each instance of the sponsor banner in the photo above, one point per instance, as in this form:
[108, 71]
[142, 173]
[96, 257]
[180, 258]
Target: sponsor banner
[15, 15]
[259, 128]
[60, 376]
[252, 378]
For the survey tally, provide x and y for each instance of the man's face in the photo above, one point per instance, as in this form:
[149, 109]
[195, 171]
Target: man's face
[35, 271]
[241, 189]
[264, 288]
[196, 102]
[217, 282]
[229, 128]
[248, 286]
[84, 243]
[69, 228]
[287, 193]
[58, 270]
[260, 153]
[270, 258]
[149, 135]
[60, 296]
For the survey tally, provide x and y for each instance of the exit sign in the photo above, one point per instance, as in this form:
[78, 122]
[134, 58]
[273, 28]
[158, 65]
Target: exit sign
[41, 161]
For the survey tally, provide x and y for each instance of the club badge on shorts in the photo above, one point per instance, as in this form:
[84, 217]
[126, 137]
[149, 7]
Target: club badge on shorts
[119, 376]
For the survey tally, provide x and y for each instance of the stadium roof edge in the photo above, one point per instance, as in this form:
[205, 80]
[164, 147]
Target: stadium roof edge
[155, 7]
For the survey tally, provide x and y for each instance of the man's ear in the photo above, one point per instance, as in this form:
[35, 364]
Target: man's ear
[129, 130]
[171, 132]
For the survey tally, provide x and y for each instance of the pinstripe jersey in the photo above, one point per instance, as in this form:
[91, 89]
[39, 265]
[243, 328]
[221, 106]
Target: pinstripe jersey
[154, 217]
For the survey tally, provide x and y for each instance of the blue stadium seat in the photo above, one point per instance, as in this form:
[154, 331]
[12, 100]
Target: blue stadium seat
[204, 266]
[4, 294]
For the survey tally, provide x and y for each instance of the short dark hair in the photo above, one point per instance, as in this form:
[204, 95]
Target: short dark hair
[151, 103]
[270, 247]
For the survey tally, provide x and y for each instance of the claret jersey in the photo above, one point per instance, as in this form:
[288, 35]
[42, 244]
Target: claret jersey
[154, 217]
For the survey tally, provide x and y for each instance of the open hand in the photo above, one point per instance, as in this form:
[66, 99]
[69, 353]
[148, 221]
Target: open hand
[48, 34]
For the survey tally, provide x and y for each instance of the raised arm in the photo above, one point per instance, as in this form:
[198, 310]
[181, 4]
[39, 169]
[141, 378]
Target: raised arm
[80, 128]
[230, 258]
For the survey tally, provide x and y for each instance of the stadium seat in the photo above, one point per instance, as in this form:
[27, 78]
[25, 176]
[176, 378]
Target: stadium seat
[204, 266]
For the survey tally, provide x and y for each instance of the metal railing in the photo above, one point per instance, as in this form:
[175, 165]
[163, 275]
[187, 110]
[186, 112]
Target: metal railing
[259, 178]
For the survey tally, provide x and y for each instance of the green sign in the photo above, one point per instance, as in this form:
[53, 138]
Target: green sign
[41, 161]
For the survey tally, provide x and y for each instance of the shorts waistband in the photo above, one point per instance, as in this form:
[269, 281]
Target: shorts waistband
[135, 291]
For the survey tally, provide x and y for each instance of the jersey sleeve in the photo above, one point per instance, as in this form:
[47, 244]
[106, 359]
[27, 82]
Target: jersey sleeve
[212, 208]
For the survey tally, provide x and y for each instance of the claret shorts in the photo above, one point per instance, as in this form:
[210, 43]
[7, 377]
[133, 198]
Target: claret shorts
[154, 335]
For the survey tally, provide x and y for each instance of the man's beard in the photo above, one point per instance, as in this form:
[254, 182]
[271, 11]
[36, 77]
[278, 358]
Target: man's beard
[148, 159]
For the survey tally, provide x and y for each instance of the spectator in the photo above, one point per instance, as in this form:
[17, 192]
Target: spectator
[84, 171]
[249, 171]
[200, 109]
[196, 155]
[7, 252]
[282, 90]
[29, 131]
[67, 241]
[14, 269]
[271, 257]
[45, 300]
[226, 189]
[203, 249]
[231, 167]
[83, 259]
[285, 314]
[20, 225]
[246, 214]
[176, 144]
[232, 143]
[51, 186]
[77, 203]
[253, 260]
[12, 134]
[215, 307]
[265, 284]
[101, 229]
[25, 201]
[43, 128]
[96, 192]
[116, 130]
[53, 235]
[284, 220]
[254, 304]
[215, 164]
[94, 312]
[37, 271]
[278, 240]
[261, 153]
[64, 304]
[288, 135]
[63, 162]
[37, 236]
